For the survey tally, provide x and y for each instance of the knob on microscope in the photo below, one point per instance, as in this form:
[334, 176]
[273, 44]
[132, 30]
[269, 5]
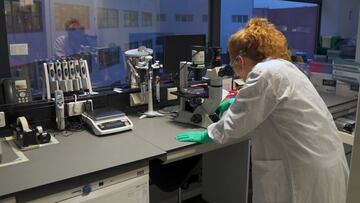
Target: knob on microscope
[196, 118]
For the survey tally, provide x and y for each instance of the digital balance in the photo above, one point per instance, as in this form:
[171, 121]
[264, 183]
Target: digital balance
[107, 121]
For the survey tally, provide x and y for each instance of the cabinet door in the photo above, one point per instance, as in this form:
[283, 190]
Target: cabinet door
[135, 190]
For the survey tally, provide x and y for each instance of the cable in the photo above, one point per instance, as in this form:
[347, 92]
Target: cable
[74, 124]
[64, 133]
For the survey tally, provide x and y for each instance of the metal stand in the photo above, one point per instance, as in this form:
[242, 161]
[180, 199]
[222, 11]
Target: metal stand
[79, 78]
[150, 113]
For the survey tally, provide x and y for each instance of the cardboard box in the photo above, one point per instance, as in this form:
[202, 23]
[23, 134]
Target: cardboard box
[347, 89]
[323, 82]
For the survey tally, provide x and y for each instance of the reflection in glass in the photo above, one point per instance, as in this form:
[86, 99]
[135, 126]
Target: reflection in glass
[298, 21]
[99, 31]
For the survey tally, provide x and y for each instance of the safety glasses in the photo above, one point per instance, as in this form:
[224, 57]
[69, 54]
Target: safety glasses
[234, 61]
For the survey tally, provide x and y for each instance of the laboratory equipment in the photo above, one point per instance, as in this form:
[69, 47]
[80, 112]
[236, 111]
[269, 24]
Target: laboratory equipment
[107, 121]
[150, 71]
[70, 76]
[178, 48]
[134, 60]
[198, 107]
[108, 56]
[67, 84]
[345, 124]
[140, 60]
[132, 186]
[60, 109]
[27, 137]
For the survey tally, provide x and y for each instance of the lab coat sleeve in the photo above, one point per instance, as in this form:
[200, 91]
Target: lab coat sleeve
[254, 103]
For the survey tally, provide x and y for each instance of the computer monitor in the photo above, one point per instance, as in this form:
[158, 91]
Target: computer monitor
[177, 48]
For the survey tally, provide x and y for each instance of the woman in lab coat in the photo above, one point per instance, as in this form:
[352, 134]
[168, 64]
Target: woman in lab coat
[297, 154]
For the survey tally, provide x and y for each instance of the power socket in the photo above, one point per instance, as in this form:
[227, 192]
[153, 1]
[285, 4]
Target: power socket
[171, 96]
[135, 99]
[76, 108]
[2, 120]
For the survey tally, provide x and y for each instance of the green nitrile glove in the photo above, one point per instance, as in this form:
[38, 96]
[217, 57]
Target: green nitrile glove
[223, 106]
[194, 136]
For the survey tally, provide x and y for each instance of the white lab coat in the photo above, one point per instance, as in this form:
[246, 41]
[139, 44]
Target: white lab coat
[297, 154]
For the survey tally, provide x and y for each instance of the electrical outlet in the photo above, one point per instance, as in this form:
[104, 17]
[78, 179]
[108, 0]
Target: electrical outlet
[2, 120]
[135, 99]
[171, 96]
[75, 108]
[79, 107]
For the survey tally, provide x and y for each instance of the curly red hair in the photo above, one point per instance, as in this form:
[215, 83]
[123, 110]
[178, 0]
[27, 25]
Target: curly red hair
[259, 40]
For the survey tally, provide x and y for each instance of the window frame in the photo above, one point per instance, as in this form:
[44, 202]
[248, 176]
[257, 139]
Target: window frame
[146, 19]
[109, 18]
[213, 33]
[319, 3]
[4, 51]
[132, 18]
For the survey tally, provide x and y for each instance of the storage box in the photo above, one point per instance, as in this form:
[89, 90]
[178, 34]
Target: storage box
[347, 89]
[323, 82]
[320, 67]
[347, 71]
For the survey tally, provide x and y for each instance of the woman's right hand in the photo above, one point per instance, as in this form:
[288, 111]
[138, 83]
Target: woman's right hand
[224, 106]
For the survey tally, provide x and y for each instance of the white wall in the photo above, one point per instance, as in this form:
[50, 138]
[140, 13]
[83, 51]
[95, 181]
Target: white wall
[340, 17]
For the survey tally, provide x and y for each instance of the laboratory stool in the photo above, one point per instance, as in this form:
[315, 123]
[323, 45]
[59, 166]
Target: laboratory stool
[173, 176]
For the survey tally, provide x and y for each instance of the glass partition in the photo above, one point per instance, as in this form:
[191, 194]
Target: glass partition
[297, 21]
[99, 31]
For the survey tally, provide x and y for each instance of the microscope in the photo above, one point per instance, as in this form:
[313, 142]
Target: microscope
[198, 102]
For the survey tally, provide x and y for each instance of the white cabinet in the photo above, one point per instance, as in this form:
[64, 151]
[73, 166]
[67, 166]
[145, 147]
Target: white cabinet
[129, 187]
[135, 190]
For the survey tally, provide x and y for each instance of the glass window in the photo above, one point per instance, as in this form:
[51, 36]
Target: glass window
[107, 18]
[23, 18]
[205, 18]
[146, 19]
[131, 19]
[184, 18]
[98, 30]
[161, 17]
[239, 18]
[298, 21]
[79, 12]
